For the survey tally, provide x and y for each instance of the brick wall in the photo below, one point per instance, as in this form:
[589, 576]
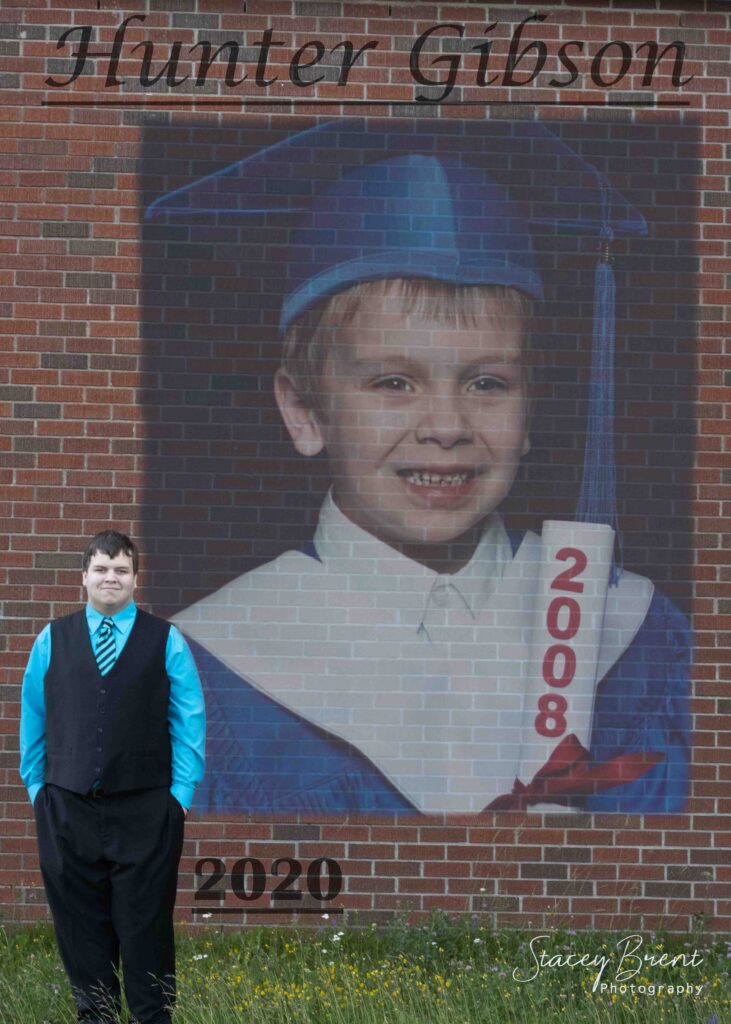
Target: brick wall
[81, 434]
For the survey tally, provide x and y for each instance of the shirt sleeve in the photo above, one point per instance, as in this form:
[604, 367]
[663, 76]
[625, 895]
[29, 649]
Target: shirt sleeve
[33, 715]
[186, 719]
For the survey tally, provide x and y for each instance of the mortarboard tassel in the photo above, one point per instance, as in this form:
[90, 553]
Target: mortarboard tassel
[598, 495]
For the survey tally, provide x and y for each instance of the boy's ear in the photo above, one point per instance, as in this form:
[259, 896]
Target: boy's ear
[299, 418]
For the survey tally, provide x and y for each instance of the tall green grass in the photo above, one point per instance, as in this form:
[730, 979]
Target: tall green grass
[446, 972]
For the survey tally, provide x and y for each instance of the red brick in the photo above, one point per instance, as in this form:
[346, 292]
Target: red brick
[415, 863]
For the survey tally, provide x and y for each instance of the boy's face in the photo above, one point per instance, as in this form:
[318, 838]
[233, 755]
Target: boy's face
[424, 424]
[109, 582]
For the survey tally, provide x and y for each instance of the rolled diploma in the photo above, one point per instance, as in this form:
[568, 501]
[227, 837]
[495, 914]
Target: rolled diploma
[595, 542]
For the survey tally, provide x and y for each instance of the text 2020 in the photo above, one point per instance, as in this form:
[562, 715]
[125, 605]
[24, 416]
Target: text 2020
[248, 878]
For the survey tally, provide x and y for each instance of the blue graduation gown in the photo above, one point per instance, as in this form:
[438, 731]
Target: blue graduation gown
[262, 758]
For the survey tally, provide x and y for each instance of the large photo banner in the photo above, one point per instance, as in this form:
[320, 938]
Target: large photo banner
[407, 509]
[396, 338]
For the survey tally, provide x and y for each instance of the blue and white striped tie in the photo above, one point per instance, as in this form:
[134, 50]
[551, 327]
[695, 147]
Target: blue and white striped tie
[106, 648]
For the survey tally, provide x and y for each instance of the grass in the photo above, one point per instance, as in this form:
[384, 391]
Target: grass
[451, 971]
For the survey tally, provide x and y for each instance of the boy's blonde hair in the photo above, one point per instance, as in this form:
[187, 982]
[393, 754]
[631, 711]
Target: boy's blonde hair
[307, 339]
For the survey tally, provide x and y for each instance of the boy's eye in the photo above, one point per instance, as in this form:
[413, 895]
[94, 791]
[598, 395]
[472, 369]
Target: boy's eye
[392, 383]
[487, 384]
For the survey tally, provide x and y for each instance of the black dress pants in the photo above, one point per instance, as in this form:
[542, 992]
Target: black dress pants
[110, 870]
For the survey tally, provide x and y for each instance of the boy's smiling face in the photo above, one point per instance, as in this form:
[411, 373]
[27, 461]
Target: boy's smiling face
[424, 423]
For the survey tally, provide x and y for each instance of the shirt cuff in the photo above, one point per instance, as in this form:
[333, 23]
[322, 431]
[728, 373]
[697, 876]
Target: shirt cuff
[183, 794]
[34, 789]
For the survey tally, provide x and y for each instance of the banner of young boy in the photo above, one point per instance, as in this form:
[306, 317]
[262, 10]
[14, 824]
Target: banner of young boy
[415, 430]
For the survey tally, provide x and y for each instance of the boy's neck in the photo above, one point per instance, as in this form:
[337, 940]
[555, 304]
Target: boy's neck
[445, 559]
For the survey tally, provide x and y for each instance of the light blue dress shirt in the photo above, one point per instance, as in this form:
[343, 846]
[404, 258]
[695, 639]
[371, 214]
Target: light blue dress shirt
[186, 712]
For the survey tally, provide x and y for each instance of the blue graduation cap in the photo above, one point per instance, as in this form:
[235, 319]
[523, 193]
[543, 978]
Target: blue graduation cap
[458, 204]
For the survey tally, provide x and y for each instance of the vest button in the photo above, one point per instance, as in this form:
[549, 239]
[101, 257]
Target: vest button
[101, 711]
[98, 770]
[102, 692]
[98, 750]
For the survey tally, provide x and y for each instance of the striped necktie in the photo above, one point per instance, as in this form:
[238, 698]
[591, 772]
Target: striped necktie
[106, 648]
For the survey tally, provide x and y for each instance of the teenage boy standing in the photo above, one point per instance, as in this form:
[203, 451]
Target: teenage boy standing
[112, 738]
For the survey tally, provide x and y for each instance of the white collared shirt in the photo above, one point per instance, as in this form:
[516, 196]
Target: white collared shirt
[421, 599]
[424, 673]
[421, 671]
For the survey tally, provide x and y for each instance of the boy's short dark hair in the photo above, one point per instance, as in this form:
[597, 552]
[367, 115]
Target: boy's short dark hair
[112, 543]
[306, 343]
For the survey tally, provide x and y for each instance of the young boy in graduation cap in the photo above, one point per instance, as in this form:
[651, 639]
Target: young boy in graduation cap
[416, 657]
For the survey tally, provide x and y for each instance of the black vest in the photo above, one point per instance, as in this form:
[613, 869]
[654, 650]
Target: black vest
[114, 727]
